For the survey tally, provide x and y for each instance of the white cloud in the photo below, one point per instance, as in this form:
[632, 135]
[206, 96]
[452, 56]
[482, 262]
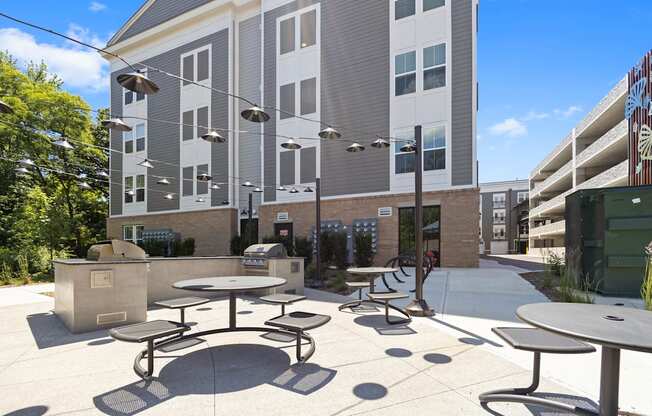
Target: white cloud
[96, 6]
[82, 69]
[570, 111]
[510, 127]
[535, 115]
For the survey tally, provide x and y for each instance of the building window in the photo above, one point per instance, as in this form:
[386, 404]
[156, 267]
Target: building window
[133, 233]
[286, 96]
[434, 67]
[287, 35]
[499, 232]
[202, 186]
[308, 28]
[139, 136]
[433, 4]
[188, 181]
[136, 193]
[405, 66]
[434, 148]
[202, 121]
[521, 196]
[128, 137]
[131, 97]
[309, 96]
[404, 8]
[403, 162]
[499, 216]
[195, 66]
[286, 164]
[188, 130]
[308, 163]
[499, 200]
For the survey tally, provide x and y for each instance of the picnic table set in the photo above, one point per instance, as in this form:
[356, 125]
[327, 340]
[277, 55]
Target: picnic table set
[556, 328]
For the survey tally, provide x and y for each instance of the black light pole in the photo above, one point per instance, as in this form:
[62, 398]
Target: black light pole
[250, 220]
[318, 281]
[418, 306]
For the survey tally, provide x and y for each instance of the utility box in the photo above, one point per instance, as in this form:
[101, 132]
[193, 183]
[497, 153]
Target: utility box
[607, 230]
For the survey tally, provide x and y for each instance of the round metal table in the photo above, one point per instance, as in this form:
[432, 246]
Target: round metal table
[612, 327]
[370, 273]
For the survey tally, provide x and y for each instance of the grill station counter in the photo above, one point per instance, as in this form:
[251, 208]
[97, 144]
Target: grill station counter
[272, 260]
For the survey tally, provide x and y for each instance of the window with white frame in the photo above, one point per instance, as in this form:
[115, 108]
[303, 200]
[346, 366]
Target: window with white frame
[521, 196]
[405, 75]
[499, 216]
[308, 96]
[128, 138]
[403, 162]
[434, 148]
[188, 175]
[287, 101]
[132, 97]
[188, 130]
[434, 67]
[133, 233]
[433, 4]
[195, 66]
[308, 29]
[139, 137]
[499, 200]
[202, 186]
[499, 232]
[404, 8]
[134, 193]
[289, 41]
[287, 37]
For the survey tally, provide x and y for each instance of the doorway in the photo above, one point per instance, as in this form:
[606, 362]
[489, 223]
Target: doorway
[431, 232]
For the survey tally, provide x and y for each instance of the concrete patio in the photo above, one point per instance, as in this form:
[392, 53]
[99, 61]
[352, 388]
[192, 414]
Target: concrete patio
[362, 365]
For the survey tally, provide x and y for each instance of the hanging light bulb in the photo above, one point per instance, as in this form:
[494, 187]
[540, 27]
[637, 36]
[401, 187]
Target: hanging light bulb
[163, 181]
[26, 162]
[84, 185]
[82, 175]
[294, 191]
[6, 108]
[308, 189]
[281, 188]
[225, 202]
[213, 137]
[200, 199]
[355, 147]
[248, 184]
[115, 124]
[380, 143]
[130, 192]
[215, 187]
[329, 133]
[21, 171]
[204, 177]
[255, 114]
[63, 142]
[257, 190]
[291, 145]
[169, 197]
[103, 174]
[409, 147]
[137, 82]
[146, 164]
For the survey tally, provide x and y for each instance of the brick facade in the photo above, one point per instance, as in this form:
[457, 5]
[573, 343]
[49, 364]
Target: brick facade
[211, 229]
[459, 221]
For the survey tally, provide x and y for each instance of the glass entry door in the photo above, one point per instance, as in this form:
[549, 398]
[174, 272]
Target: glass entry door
[431, 232]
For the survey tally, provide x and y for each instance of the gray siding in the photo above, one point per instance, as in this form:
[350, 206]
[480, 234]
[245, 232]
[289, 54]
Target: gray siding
[220, 113]
[355, 92]
[159, 12]
[462, 92]
[116, 144]
[269, 148]
[249, 144]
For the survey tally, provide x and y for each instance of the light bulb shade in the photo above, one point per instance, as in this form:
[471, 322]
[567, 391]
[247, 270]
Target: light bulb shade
[163, 181]
[213, 137]
[294, 191]
[204, 177]
[225, 202]
[84, 185]
[21, 171]
[281, 188]
[248, 184]
[409, 147]
[255, 114]
[146, 164]
[130, 192]
[355, 147]
[257, 190]
[63, 142]
[308, 189]
[82, 176]
[115, 124]
[291, 145]
[329, 133]
[6, 108]
[26, 162]
[103, 174]
[137, 82]
[380, 143]
[215, 186]
[169, 197]
[200, 199]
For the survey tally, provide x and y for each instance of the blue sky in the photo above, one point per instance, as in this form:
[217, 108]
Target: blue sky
[542, 65]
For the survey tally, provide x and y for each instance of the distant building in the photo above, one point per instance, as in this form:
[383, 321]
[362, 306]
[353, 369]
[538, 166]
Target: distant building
[503, 217]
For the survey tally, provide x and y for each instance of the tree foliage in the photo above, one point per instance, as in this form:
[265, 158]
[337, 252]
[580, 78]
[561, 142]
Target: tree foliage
[46, 211]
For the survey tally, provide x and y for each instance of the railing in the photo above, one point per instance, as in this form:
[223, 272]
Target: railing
[499, 204]
[558, 227]
[560, 173]
[552, 203]
[600, 145]
[615, 93]
[608, 177]
[561, 146]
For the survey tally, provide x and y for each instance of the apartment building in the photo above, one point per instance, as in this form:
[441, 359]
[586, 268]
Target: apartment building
[368, 67]
[593, 155]
[503, 217]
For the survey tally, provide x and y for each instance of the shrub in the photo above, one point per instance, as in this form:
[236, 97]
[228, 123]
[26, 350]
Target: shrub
[646, 288]
[555, 263]
[6, 273]
[236, 245]
[181, 248]
[326, 248]
[303, 248]
[155, 247]
[310, 271]
[338, 283]
[22, 270]
[572, 290]
[340, 257]
[363, 254]
[286, 241]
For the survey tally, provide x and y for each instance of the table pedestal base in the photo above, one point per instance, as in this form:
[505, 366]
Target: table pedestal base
[609, 381]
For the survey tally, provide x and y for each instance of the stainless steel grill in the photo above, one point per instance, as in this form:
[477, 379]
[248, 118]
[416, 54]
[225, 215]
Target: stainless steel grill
[115, 250]
[256, 256]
